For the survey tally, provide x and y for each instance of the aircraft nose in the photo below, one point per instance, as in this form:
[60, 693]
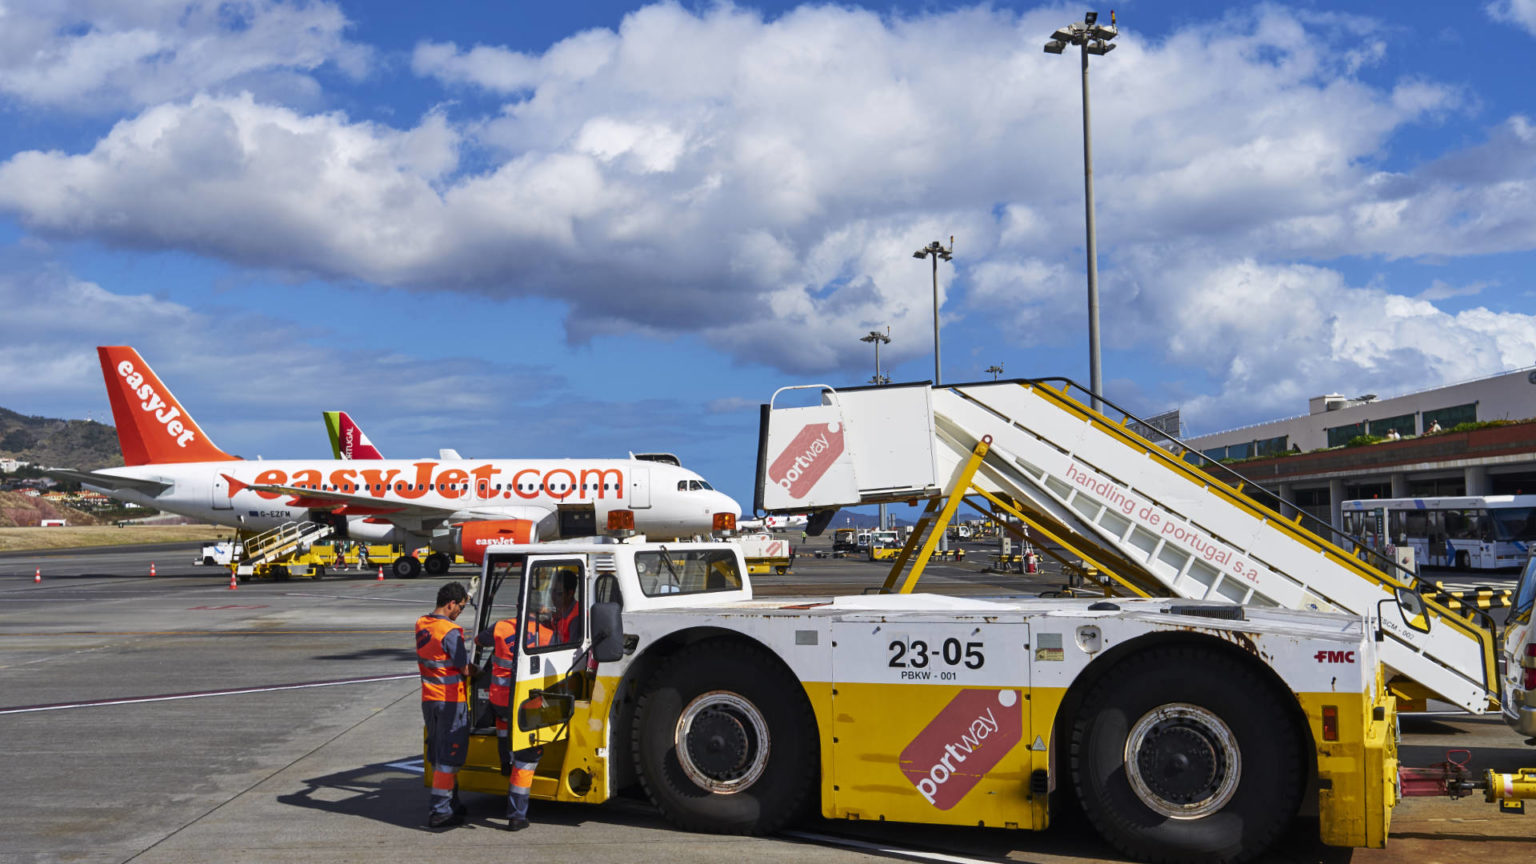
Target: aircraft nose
[726, 504]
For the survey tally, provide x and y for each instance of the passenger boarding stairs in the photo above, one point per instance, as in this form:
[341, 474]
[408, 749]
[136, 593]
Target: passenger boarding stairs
[269, 546]
[1152, 523]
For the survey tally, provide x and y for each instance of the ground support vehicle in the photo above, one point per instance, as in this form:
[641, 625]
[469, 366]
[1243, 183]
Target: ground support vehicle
[765, 553]
[299, 549]
[1186, 730]
[883, 545]
[312, 561]
[1143, 520]
[221, 553]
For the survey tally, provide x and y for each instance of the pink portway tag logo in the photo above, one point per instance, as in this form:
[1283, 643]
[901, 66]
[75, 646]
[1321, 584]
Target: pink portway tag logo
[807, 458]
[969, 737]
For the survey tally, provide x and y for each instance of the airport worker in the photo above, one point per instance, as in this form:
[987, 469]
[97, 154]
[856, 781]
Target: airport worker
[501, 637]
[567, 617]
[443, 662]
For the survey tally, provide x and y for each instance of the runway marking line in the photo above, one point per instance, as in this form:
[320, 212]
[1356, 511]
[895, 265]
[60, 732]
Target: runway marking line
[170, 697]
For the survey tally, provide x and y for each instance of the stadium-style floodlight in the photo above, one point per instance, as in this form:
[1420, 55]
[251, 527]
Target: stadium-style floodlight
[995, 370]
[936, 251]
[878, 338]
[1092, 38]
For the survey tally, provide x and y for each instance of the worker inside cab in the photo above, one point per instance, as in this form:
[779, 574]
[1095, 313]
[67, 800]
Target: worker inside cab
[567, 608]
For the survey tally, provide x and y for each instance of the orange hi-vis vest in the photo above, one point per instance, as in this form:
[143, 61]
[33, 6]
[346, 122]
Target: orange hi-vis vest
[504, 636]
[563, 626]
[440, 680]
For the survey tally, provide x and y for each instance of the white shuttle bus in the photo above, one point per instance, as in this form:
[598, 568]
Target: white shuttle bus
[1468, 532]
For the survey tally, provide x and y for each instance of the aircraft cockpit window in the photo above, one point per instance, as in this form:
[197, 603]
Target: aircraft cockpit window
[682, 485]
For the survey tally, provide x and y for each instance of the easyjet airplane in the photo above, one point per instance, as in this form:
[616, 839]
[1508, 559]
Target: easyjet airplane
[458, 506]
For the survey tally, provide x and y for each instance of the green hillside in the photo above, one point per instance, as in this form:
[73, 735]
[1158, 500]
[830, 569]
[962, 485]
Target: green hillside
[83, 444]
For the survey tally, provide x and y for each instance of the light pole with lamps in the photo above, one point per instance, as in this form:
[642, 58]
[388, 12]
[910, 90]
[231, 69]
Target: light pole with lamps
[937, 252]
[878, 338]
[1092, 38]
[995, 370]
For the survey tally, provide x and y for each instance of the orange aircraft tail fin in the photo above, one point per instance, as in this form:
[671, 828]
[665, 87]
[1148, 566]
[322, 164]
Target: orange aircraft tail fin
[152, 426]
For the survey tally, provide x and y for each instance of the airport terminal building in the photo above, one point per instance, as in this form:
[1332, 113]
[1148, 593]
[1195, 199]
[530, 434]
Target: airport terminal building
[1306, 460]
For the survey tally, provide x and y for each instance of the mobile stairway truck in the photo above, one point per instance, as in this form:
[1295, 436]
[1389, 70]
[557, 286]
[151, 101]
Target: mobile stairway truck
[1188, 729]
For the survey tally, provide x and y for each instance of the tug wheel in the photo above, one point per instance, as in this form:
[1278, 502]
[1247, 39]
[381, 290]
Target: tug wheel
[1183, 753]
[725, 741]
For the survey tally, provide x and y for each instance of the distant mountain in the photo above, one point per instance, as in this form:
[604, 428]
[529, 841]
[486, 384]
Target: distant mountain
[83, 444]
[855, 519]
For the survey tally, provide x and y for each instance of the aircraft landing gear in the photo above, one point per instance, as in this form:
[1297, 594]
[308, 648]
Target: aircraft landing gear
[406, 567]
[437, 564]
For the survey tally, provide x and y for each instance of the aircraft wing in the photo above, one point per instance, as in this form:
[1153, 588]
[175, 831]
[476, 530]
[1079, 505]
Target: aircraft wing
[404, 513]
[110, 482]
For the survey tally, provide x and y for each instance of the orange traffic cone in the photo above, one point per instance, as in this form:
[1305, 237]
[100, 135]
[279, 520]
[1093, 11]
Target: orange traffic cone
[233, 585]
[381, 575]
[151, 568]
[37, 575]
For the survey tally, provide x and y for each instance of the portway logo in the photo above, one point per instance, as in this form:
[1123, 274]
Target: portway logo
[807, 458]
[966, 740]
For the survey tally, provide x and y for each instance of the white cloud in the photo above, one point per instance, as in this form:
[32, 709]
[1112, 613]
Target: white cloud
[253, 183]
[93, 54]
[762, 182]
[1271, 333]
[1519, 12]
[1442, 290]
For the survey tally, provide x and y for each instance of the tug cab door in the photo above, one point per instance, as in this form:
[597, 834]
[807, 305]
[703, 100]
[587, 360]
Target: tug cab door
[552, 689]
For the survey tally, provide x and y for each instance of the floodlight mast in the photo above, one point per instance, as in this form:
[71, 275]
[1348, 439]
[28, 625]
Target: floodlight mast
[879, 339]
[1092, 38]
[937, 251]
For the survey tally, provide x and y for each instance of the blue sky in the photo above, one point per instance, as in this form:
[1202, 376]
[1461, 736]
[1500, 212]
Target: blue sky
[586, 228]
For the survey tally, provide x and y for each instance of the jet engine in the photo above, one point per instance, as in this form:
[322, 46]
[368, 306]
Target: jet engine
[470, 539]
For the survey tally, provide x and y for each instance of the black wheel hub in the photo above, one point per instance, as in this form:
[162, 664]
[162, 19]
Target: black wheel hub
[1179, 763]
[717, 744]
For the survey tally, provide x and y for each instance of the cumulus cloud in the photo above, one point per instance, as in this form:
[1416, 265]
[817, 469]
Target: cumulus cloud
[760, 183]
[1519, 12]
[414, 406]
[1273, 333]
[55, 319]
[94, 54]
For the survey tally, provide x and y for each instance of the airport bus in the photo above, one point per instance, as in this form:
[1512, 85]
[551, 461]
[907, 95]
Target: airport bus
[1469, 532]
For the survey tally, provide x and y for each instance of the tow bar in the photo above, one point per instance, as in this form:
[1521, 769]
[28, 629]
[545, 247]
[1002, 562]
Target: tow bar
[1452, 779]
